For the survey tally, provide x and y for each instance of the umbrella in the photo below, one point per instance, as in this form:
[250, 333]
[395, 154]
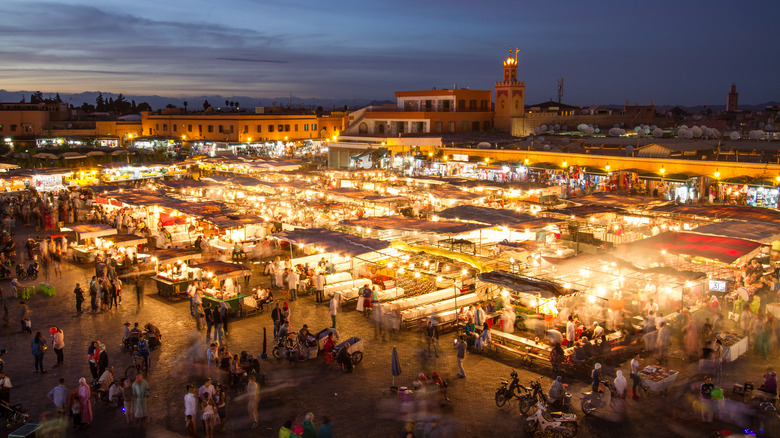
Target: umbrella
[395, 365]
[93, 153]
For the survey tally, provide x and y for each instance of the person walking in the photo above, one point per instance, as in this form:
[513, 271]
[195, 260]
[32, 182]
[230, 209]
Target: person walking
[102, 360]
[84, 393]
[292, 284]
[223, 313]
[25, 318]
[432, 335]
[143, 350]
[139, 292]
[209, 317]
[333, 309]
[252, 399]
[79, 292]
[191, 402]
[127, 396]
[59, 396]
[319, 286]
[276, 317]
[461, 347]
[93, 293]
[705, 398]
[58, 342]
[217, 318]
[325, 430]
[140, 398]
[38, 347]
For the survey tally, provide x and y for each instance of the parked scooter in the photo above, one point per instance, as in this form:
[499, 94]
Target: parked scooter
[554, 423]
[593, 400]
[507, 391]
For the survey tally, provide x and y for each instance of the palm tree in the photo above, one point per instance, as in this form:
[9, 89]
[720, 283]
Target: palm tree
[185, 107]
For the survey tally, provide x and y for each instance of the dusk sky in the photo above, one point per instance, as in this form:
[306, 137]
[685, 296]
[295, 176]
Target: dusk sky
[609, 52]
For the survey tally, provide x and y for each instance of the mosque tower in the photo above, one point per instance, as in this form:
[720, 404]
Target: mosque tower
[510, 98]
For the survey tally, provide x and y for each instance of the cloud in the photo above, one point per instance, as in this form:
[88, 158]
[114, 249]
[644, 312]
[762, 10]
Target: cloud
[236, 59]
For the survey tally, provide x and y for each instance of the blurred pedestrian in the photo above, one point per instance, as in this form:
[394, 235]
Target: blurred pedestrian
[140, 398]
[191, 402]
[253, 399]
[127, 396]
[79, 292]
[325, 429]
[58, 342]
[84, 394]
[59, 396]
[38, 347]
[461, 348]
[308, 426]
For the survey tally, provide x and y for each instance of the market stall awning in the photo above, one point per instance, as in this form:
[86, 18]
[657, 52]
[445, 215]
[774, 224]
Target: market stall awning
[188, 184]
[408, 224]
[534, 224]
[450, 192]
[89, 231]
[736, 212]
[763, 232]
[485, 215]
[165, 256]
[332, 241]
[124, 240]
[523, 284]
[587, 210]
[235, 221]
[223, 270]
[615, 200]
[723, 249]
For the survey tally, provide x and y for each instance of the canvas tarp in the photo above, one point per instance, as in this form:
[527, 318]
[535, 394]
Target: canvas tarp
[485, 215]
[737, 212]
[723, 249]
[523, 284]
[763, 232]
[408, 224]
[332, 241]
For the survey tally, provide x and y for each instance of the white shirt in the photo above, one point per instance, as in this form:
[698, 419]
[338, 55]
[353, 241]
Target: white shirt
[634, 366]
[319, 282]
[598, 331]
[292, 280]
[570, 331]
[651, 307]
[59, 396]
[191, 404]
[203, 389]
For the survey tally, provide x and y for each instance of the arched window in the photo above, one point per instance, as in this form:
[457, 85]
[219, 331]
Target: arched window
[363, 128]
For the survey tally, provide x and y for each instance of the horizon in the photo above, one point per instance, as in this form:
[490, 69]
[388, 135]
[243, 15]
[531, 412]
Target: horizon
[184, 49]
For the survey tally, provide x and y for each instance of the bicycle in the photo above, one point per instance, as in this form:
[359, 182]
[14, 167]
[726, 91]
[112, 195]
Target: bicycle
[138, 367]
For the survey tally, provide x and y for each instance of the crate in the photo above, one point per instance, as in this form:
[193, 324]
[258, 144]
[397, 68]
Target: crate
[27, 292]
[46, 289]
[27, 431]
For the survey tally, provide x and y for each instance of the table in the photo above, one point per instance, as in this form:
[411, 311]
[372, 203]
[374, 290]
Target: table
[658, 381]
[736, 349]
[233, 303]
[83, 254]
[171, 289]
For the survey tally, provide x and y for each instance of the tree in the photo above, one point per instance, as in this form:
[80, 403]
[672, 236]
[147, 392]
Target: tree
[36, 97]
[57, 98]
[170, 105]
[185, 107]
[121, 105]
[206, 105]
[227, 103]
[143, 106]
[100, 103]
[133, 107]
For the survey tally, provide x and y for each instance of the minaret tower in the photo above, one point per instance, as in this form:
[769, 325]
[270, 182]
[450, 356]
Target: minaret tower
[510, 98]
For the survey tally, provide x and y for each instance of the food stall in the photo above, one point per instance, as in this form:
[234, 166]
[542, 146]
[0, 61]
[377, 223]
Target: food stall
[734, 345]
[84, 247]
[657, 379]
[172, 273]
[218, 282]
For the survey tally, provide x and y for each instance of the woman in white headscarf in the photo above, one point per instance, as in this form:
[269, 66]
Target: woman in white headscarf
[86, 407]
[620, 384]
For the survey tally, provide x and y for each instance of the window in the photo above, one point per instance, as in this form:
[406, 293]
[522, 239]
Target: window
[475, 126]
[13, 128]
[451, 126]
[259, 128]
[221, 129]
[157, 127]
[231, 129]
[296, 127]
[305, 126]
[1, 128]
[165, 127]
[280, 128]
[150, 130]
[472, 104]
[246, 129]
[200, 129]
[486, 125]
[483, 105]
[270, 128]
[461, 105]
[446, 105]
[286, 128]
[174, 127]
[189, 128]
[437, 126]
[313, 126]
[464, 126]
[211, 128]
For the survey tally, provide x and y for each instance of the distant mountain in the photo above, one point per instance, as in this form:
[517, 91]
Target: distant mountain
[196, 102]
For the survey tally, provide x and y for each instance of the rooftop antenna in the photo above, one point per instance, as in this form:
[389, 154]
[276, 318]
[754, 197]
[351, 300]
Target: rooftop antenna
[517, 50]
[560, 89]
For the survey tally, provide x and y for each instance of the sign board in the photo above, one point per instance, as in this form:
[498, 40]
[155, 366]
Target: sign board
[460, 157]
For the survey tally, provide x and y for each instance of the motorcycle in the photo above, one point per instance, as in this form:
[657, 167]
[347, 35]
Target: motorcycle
[507, 391]
[593, 400]
[532, 396]
[554, 423]
[30, 274]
